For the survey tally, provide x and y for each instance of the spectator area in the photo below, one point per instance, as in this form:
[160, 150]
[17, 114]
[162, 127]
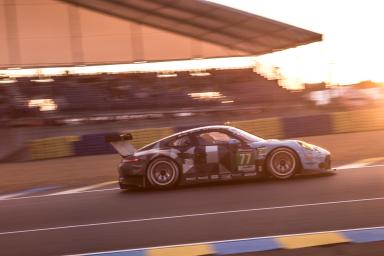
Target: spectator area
[142, 91]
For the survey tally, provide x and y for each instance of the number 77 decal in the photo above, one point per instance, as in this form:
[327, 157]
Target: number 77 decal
[245, 160]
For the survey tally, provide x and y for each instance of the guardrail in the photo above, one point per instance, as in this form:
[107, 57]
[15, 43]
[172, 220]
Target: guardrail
[53, 147]
[278, 128]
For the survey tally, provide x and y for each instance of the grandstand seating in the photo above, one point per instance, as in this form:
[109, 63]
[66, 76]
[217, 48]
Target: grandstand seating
[141, 91]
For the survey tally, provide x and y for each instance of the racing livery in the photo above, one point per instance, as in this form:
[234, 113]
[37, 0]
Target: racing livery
[213, 153]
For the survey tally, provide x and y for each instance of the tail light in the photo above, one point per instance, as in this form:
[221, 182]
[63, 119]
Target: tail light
[130, 159]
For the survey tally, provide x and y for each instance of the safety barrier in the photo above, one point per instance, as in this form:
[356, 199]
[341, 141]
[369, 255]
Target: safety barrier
[53, 147]
[92, 144]
[89, 144]
[358, 121]
[143, 137]
[266, 128]
[286, 127]
[306, 126]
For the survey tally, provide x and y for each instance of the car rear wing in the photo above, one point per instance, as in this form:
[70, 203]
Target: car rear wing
[121, 143]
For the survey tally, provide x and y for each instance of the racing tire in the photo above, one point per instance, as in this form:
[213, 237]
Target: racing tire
[163, 172]
[282, 163]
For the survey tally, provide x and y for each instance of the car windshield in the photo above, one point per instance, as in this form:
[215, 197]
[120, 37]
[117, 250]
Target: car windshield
[246, 135]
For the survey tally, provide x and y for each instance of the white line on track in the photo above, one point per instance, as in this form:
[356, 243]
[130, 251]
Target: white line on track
[115, 188]
[27, 192]
[342, 168]
[83, 189]
[193, 215]
[352, 166]
[226, 241]
[49, 195]
[10, 196]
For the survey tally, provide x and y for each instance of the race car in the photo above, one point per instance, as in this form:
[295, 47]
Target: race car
[213, 153]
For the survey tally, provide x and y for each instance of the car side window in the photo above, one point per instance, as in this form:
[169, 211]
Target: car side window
[213, 138]
[181, 142]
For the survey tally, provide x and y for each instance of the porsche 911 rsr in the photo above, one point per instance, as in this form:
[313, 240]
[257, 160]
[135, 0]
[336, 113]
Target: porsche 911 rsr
[213, 153]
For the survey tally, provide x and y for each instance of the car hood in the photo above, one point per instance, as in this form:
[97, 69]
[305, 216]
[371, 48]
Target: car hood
[270, 142]
[287, 143]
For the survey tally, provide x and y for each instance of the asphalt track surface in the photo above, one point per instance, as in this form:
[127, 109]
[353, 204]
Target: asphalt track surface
[113, 220]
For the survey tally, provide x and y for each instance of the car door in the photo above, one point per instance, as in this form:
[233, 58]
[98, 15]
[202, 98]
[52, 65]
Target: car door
[214, 157]
[221, 154]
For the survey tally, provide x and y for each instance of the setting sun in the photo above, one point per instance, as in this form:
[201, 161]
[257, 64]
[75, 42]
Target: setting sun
[351, 49]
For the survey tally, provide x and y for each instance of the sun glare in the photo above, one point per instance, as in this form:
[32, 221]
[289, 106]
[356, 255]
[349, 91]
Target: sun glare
[352, 46]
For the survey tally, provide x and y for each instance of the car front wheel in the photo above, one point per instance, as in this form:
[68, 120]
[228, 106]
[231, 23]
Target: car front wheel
[282, 163]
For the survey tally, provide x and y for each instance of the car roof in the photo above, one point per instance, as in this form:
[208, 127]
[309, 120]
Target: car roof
[202, 128]
[198, 129]
[189, 131]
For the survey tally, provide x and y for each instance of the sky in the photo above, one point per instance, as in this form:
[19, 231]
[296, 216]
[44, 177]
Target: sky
[352, 46]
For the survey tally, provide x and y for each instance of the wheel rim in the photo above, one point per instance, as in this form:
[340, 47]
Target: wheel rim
[162, 173]
[283, 163]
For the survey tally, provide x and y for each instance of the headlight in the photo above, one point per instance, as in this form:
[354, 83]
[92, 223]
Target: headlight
[306, 145]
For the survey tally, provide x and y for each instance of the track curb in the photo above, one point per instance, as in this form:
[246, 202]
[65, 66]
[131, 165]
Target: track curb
[258, 244]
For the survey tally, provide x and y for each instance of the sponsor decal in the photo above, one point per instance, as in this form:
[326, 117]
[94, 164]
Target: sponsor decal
[203, 178]
[190, 179]
[214, 177]
[262, 151]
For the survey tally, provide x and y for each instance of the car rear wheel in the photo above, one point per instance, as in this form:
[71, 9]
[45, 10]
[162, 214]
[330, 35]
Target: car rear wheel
[163, 173]
[282, 163]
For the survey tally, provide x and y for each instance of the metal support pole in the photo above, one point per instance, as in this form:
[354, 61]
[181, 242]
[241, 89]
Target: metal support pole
[12, 33]
[75, 34]
[137, 42]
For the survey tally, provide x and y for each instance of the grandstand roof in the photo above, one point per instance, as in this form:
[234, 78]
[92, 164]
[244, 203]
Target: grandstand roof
[209, 22]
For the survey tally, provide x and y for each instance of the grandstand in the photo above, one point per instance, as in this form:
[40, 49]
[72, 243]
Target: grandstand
[73, 33]
[141, 91]
[148, 30]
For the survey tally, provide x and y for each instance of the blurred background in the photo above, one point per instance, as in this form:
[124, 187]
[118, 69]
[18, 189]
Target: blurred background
[72, 71]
